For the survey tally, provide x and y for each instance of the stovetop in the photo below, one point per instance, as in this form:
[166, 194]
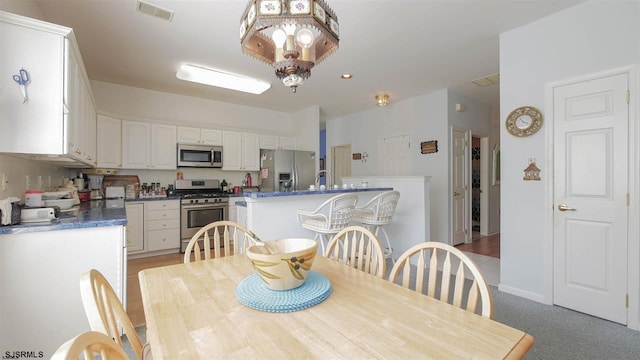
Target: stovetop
[206, 191]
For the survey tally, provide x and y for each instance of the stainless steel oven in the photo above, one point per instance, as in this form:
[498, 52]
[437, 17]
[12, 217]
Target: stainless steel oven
[202, 203]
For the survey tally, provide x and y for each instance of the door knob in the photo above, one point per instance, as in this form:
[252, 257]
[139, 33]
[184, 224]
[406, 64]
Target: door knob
[563, 207]
[456, 193]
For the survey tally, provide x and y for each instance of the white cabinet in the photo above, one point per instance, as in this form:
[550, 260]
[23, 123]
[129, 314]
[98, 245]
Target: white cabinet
[250, 152]
[233, 209]
[41, 303]
[109, 142]
[59, 116]
[163, 147]
[135, 227]
[287, 143]
[190, 135]
[268, 142]
[162, 225]
[241, 151]
[277, 142]
[148, 146]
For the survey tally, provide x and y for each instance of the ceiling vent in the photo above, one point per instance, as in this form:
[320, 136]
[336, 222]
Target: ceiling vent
[154, 10]
[487, 80]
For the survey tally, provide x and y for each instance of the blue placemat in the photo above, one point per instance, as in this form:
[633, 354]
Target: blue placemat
[252, 292]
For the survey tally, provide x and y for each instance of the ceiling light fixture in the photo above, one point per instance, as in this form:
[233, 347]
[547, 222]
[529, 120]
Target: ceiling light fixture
[290, 35]
[222, 79]
[382, 99]
[346, 76]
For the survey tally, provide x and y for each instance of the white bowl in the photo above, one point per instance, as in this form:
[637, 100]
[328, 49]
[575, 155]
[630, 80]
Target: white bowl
[61, 203]
[283, 264]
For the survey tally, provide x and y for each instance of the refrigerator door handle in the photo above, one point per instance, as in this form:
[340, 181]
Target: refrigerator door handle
[294, 177]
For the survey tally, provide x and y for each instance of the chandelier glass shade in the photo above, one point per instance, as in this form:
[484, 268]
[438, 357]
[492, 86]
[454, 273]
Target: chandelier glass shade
[291, 35]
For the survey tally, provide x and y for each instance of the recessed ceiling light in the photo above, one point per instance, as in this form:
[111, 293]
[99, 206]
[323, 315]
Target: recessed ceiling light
[346, 76]
[222, 79]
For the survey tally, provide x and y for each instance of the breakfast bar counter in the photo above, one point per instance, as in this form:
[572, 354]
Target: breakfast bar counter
[273, 215]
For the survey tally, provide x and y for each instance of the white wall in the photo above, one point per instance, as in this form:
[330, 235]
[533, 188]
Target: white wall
[423, 118]
[587, 38]
[22, 7]
[132, 103]
[17, 169]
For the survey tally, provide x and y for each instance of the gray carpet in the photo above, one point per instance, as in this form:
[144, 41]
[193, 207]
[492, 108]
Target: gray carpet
[566, 334]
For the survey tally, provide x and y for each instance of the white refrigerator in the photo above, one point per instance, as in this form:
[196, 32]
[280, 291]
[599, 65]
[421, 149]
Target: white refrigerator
[287, 170]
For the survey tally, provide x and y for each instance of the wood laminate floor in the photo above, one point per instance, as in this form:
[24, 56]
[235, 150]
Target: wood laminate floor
[484, 245]
[134, 266]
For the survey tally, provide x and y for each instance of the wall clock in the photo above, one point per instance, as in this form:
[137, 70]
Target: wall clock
[524, 121]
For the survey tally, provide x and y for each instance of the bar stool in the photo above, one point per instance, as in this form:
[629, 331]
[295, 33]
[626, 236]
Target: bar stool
[377, 213]
[329, 218]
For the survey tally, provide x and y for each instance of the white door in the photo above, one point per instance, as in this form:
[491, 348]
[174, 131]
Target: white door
[590, 196]
[341, 163]
[459, 176]
[395, 155]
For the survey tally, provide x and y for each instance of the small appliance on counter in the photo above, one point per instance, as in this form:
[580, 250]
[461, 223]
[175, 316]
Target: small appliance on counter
[112, 182]
[42, 214]
[114, 192]
[95, 185]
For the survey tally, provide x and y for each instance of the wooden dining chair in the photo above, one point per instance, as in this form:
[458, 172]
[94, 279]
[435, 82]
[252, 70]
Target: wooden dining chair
[359, 248]
[228, 238]
[106, 313]
[429, 267]
[87, 345]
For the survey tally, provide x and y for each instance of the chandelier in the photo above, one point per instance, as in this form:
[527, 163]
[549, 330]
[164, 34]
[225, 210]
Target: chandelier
[291, 35]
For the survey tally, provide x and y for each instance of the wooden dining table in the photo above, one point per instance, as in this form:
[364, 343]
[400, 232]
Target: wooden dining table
[192, 313]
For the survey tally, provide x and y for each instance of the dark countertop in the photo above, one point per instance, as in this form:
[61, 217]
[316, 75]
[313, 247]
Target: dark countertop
[158, 198]
[310, 192]
[90, 214]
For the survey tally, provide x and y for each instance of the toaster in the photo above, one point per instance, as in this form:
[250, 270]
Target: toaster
[41, 214]
[114, 192]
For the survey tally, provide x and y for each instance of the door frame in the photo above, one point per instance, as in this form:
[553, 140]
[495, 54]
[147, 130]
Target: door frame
[633, 227]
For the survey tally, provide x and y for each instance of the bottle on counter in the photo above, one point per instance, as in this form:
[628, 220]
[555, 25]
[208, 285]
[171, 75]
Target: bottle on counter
[248, 179]
[223, 185]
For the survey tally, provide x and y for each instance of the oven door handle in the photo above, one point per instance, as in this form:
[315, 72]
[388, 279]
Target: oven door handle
[204, 206]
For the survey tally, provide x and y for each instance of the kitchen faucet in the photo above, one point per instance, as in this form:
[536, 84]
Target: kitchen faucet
[328, 174]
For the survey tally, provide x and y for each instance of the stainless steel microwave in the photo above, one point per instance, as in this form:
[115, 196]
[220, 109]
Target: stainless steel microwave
[190, 155]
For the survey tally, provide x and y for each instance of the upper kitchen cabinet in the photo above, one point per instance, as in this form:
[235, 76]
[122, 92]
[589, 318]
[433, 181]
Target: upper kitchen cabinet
[53, 114]
[190, 135]
[241, 151]
[277, 142]
[148, 146]
[109, 142]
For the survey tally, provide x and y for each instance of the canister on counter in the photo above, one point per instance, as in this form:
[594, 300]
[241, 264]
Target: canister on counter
[33, 198]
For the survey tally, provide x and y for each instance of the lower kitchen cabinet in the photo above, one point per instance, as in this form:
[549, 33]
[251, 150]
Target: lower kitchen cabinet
[159, 224]
[135, 227]
[162, 225]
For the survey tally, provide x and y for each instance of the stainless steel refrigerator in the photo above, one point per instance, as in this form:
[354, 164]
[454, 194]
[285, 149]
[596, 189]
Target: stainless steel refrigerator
[287, 170]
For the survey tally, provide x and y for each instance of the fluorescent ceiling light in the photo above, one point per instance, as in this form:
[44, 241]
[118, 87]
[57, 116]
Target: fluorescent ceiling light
[222, 79]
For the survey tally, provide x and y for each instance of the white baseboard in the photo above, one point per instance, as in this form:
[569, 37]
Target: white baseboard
[523, 294]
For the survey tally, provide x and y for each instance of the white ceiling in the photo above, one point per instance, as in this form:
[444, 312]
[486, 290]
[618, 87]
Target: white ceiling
[400, 47]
